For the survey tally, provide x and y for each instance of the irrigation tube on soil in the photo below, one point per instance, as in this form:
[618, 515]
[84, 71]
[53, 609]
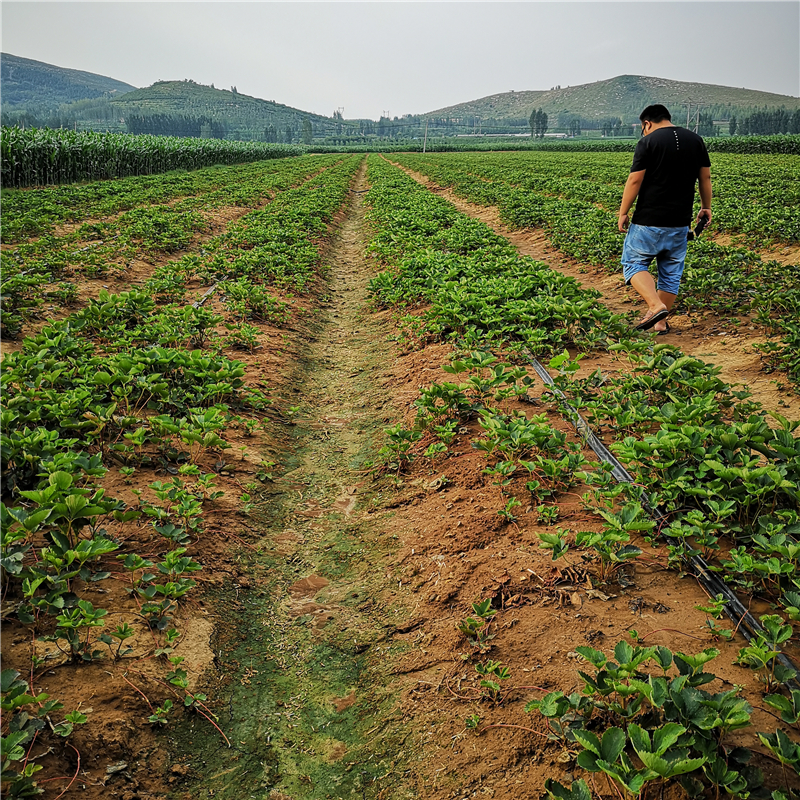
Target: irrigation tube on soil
[205, 297]
[743, 619]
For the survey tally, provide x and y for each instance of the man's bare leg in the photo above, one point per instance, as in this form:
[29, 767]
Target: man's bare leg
[668, 300]
[645, 285]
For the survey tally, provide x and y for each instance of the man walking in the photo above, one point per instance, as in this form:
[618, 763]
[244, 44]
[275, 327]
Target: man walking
[667, 163]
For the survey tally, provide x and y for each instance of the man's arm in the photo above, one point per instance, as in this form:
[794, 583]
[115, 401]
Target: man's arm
[704, 184]
[631, 192]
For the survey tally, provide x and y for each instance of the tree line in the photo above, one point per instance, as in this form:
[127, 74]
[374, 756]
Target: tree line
[766, 123]
[538, 123]
[175, 125]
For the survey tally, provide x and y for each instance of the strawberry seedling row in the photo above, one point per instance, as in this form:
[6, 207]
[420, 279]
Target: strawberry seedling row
[705, 455]
[725, 279]
[126, 385]
[43, 270]
[33, 212]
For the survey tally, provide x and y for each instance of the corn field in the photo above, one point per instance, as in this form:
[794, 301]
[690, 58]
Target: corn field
[39, 157]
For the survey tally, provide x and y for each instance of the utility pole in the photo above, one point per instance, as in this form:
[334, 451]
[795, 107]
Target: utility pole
[698, 107]
[425, 140]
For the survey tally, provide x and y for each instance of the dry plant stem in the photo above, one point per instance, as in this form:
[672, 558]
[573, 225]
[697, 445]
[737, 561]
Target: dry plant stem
[671, 630]
[30, 750]
[459, 696]
[221, 732]
[741, 620]
[77, 770]
[614, 787]
[519, 727]
[178, 696]
[140, 692]
[33, 653]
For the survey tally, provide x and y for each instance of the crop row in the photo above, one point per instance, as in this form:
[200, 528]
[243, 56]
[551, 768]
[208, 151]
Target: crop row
[700, 451]
[727, 279]
[33, 212]
[45, 269]
[724, 276]
[756, 197]
[476, 283]
[664, 388]
[739, 145]
[36, 157]
[138, 389]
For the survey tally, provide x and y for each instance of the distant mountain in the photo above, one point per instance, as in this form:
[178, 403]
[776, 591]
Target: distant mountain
[40, 87]
[241, 115]
[624, 96]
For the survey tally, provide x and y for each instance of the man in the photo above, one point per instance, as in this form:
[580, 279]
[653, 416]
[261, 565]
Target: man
[667, 164]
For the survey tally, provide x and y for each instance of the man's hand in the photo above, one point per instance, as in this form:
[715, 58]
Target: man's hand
[704, 212]
[622, 222]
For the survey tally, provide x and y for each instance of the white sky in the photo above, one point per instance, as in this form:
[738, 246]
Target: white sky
[409, 57]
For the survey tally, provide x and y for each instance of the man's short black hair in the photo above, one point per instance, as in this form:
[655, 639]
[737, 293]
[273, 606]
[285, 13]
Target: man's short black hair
[655, 113]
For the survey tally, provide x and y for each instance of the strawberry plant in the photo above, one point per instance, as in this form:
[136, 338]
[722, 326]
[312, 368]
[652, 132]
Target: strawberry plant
[612, 543]
[674, 729]
[763, 653]
[476, 629]
[491, 673]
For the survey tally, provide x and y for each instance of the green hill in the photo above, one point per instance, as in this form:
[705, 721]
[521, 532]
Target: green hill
[624, 97]
[241, 116]
[38, 86]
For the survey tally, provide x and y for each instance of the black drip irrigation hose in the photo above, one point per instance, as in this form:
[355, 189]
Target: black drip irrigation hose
[206, 295]
[744, 620]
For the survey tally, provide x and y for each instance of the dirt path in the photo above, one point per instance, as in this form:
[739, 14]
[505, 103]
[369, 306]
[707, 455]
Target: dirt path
[725, 342]
[305, 650]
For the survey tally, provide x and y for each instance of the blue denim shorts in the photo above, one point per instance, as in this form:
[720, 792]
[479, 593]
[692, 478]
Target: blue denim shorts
[667, 246]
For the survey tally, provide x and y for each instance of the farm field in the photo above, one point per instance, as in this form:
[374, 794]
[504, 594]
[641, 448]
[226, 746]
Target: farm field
[288, 511]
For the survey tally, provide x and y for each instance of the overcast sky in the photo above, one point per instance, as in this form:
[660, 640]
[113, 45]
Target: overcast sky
[405, 57]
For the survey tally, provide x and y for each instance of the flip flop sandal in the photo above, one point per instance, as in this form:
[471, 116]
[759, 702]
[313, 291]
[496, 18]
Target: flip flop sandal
[648, 322]
[665, 331]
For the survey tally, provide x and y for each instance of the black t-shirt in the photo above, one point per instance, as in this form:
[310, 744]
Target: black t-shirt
[672, 158]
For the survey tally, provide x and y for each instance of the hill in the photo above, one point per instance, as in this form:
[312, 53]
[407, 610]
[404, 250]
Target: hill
[624, 97]
[241, 116]
[41, 87]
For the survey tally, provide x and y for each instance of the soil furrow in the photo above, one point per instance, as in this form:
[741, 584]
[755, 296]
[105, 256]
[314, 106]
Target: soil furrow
[305, 655]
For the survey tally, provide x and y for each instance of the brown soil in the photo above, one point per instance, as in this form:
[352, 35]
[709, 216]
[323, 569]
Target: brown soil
[725, 342]
[454, 550]
[782, 253]
[425, 545]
